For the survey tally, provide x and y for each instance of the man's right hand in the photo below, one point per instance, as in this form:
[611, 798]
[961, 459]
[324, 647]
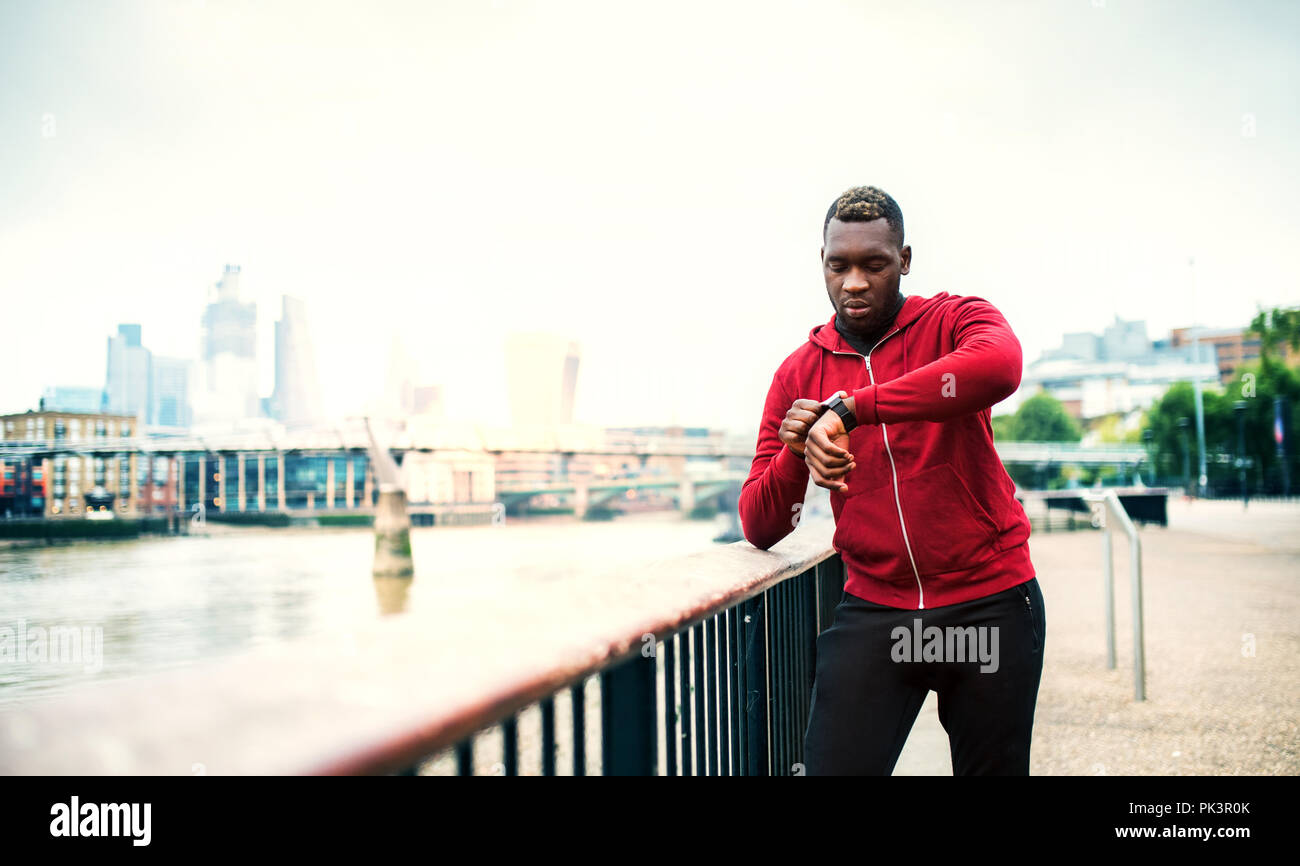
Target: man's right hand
[798, 421]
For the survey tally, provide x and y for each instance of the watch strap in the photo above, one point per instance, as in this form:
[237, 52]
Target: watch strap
[837, 405]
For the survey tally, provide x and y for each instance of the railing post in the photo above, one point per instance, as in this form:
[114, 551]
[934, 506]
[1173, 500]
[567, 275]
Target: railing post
[1139, 640]
[1108, 559]
[1111, 508]
[627, 718]
[753, 632]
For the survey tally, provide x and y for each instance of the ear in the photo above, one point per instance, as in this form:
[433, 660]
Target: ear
[821, 255]
[905, 256]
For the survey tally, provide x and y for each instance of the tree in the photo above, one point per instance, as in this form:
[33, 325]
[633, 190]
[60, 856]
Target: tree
[1275, 327]
[1004, 427]
[1256, 385]
[1042, 418]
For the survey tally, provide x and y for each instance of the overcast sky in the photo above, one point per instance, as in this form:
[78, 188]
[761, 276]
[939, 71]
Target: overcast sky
[648, 179]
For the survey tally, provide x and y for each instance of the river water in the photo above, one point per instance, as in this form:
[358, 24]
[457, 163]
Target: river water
[165, 602]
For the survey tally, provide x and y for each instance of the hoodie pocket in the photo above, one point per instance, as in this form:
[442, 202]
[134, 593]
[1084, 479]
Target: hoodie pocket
[947, 529]
[867, 532]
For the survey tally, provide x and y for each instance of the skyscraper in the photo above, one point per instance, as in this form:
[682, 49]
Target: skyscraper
[227, 373]
[170, 400]
[296, 400]
[127, 383]
[541, 379]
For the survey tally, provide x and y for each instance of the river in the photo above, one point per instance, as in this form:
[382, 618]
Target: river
[165, 602]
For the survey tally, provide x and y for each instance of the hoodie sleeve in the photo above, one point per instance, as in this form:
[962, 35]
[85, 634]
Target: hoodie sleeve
[772, 495]
[984, 368]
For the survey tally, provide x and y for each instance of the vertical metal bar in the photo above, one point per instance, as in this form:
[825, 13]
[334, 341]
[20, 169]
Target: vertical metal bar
[684, 680]
[754, 631]
[629, 746]
[465, 757]
[701, 730]
[734, 708]
[1108, 563]
[801, 666]
[784, 650]
[711, 691]
[1139, 653]
[807, 641]
[510, 745]
[671, 739]
[578, 697]
[723, 673]
[548, 736]
[778, 676]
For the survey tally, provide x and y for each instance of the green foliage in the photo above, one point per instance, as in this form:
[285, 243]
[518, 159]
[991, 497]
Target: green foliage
[1276, 327]
[1255, 385]
[248, 518]
[1004, 427]
[345, 519]
[1041, 418]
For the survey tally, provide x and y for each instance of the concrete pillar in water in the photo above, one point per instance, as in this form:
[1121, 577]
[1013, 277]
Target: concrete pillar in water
[392, 522]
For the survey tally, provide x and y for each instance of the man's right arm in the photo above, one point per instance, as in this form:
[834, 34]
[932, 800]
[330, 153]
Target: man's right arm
[778, 477]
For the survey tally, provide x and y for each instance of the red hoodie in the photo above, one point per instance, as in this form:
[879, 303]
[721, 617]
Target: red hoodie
[930, 517]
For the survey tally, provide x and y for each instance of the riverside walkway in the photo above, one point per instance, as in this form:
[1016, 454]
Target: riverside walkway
[1218, 582]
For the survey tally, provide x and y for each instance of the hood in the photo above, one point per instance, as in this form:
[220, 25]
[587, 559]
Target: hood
[913, 306]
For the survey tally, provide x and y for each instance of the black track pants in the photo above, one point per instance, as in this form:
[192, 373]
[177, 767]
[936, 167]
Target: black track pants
[869, 686]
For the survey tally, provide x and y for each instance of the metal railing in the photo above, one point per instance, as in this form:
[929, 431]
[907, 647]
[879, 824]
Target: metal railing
[1107, 508]
[704, 666]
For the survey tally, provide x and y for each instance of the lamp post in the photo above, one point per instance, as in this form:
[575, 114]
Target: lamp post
[1279, 437]
[1239, 409]
[1184, 424]
[1148, 437]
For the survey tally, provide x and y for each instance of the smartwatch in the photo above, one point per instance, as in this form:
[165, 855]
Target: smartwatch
[836, 404]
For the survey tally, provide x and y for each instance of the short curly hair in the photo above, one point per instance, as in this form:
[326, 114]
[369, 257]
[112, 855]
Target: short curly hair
[863, 204]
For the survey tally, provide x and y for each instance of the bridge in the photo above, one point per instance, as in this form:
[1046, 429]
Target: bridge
[352, 436]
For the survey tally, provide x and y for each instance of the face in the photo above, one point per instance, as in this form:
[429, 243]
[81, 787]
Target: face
[863, 264]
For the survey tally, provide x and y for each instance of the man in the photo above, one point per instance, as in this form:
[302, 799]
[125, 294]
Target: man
[888, 406]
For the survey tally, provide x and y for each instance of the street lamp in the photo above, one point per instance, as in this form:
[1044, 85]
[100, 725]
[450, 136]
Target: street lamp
[1148, 435]
[1184, 424]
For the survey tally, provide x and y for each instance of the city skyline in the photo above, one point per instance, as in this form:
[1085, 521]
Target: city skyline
[662, 214]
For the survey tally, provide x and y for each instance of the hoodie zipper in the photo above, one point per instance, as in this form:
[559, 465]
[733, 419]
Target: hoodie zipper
[893, 470]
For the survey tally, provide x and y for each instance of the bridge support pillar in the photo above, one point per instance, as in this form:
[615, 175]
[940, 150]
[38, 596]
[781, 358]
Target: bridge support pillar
[350, 484]
[392, 534]
[329, 483]
[221, 482]
[280, 477]
[261, 481]
[581, 500]
[686, 496]
[241, 492]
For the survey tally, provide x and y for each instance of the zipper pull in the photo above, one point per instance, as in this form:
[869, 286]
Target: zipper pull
[1029, 606]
